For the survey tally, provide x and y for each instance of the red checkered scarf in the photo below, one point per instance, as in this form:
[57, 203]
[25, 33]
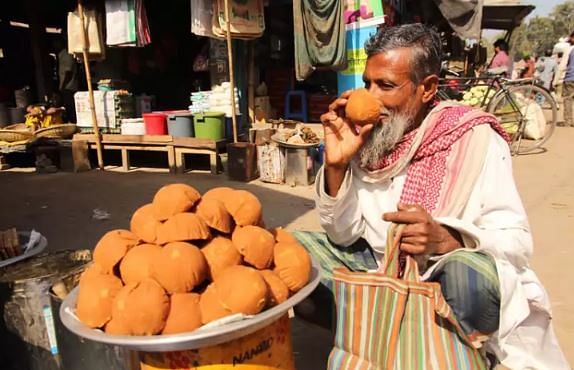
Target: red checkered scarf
[444, 139]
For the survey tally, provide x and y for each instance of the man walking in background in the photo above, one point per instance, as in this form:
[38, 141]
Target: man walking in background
[546, 68]
[567, 70]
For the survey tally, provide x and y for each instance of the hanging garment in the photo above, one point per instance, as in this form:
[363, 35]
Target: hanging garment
[95, 38]
[246, 19]
[126, 23]
[201, 18]
[319, 28]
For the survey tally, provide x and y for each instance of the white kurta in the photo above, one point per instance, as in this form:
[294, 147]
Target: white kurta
[493, 221]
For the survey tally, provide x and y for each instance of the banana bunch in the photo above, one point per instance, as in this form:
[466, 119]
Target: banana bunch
[475, 96]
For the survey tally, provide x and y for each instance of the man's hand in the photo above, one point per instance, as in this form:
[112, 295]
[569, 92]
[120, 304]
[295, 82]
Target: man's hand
[422, 234]
[342, 142]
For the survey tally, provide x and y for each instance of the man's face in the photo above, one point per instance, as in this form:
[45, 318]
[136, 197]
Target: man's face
[388, 77]
[496, 49]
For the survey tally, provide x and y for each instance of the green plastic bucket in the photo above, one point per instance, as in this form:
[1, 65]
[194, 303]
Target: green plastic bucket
[209, 125]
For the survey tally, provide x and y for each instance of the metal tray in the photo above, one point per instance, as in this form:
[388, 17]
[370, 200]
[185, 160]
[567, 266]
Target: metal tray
[34, 250]
[277, 139]
[202, 337]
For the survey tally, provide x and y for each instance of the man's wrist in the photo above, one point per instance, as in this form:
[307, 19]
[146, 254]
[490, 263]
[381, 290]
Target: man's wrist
[450, 240]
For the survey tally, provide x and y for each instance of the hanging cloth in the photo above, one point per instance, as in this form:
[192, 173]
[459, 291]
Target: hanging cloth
[319, 28]
[126, 23]
[201, 17]
[93, 22]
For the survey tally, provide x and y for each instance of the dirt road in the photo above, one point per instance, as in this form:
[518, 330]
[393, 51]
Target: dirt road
[61, 207]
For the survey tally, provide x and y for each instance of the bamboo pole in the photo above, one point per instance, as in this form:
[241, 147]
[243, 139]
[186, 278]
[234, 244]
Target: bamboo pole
[231, 75]
[85, 50]
[251, 85]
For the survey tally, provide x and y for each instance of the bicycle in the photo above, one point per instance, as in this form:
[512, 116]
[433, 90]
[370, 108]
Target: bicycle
[526, 110]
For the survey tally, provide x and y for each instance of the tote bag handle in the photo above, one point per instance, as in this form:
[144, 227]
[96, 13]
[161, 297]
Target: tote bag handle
[391, 260]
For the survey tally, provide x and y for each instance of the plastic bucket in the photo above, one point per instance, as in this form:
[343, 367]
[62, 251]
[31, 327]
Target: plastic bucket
[28, 327]
[155, 123]
[133, 126]
[209, 125]
[180, 125]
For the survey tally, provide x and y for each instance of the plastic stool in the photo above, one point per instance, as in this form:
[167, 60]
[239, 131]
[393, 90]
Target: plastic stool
[299, 115]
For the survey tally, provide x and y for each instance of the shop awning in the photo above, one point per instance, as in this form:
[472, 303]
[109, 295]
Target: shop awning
[468, 17]
[504, 15]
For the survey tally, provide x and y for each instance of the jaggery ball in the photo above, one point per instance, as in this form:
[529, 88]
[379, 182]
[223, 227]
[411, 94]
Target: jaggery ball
[137, 263]
[211, 308]
[362, 108]
[255, 245]
[220, 254]
[219, 193]
[242, 289]
[95, 299]
[116, 327]
[173, 199]
[180, 267]
[184, 313]
[144, 224]
[112, 247]
[292, 265]
[283, 236]
[244, 207]
[278, 290]
[182, 227]
[143, 309]
[215, 215]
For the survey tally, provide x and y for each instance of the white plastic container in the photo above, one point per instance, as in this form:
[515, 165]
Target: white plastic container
[133, 126]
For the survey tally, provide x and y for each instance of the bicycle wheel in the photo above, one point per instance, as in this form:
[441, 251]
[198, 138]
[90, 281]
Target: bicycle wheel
[528, 113]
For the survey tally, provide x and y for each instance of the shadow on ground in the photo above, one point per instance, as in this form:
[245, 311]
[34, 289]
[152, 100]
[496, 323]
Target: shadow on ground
[61, 205]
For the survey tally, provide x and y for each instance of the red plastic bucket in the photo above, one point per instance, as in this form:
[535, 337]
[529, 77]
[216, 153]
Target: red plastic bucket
[155, 123]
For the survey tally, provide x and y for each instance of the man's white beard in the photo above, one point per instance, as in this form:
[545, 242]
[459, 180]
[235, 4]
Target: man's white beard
[383, 139]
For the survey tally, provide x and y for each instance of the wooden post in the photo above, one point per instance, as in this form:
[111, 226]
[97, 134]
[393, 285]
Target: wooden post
[231, 75]
[251, 84]
[85, 53]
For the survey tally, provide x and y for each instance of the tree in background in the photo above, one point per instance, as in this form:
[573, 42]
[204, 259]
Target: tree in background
[541, 33]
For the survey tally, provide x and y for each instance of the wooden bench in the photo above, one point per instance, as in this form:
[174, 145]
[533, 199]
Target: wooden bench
[175, 147]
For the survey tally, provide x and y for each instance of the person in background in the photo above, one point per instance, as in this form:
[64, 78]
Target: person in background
[501, 63]
[529, 67]
[567, 67]
[68, 78]
[545, 69]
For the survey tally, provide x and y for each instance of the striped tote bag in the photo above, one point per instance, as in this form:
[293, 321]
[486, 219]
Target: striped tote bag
[392, 320]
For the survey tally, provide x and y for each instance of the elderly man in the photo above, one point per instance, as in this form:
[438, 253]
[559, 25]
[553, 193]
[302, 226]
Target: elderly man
[446, 173]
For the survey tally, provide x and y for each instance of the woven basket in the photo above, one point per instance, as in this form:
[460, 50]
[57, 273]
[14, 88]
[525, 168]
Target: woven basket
[64, 131]
[17, 132]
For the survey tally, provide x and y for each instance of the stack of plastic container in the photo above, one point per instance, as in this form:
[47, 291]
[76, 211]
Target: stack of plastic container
[199, 101]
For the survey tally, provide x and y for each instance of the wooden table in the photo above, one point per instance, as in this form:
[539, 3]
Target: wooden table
[174, 147]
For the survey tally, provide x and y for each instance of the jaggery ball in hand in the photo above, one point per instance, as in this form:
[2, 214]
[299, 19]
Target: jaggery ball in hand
[362, 108]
